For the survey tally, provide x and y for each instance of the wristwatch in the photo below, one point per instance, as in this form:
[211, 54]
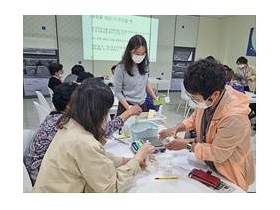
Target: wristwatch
[189, 146]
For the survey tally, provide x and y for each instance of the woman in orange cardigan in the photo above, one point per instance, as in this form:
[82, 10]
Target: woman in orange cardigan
[221, 122]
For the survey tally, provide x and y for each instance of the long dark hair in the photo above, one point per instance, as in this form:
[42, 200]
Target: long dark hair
[89, 106]
[134, 43]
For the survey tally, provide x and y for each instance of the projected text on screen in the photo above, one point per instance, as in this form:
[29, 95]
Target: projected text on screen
[105, 37]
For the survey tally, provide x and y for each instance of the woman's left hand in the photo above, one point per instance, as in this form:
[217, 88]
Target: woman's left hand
[177, 144]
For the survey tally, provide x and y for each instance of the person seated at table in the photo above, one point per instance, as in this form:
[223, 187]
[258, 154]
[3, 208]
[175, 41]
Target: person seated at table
[233, 80]
[47, 130]
[75, 71]
[248, 74]
[56, 71]
[76, 160]
[221, 122]
[236, 83]
[84, 75]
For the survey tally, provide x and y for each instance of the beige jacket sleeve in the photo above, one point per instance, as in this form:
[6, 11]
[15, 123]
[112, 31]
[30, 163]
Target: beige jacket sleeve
[228, 137]
[99, 169]
[116, 160]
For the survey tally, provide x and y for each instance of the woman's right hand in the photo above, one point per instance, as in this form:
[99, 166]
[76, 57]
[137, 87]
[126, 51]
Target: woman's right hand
[134, 110]
[145, 150]
[167, 132]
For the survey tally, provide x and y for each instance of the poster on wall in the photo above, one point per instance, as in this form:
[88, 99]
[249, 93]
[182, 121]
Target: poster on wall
[251, 48]
[182, 58]
[35, 70]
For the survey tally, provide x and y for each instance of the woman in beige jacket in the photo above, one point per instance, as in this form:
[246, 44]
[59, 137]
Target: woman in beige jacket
[248, 73]
[76, 160]
[221, 122]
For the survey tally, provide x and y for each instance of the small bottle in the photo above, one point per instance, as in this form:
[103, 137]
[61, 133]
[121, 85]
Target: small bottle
[160, 111]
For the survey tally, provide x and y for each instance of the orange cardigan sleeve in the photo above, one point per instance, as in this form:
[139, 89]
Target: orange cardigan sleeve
[190, 122]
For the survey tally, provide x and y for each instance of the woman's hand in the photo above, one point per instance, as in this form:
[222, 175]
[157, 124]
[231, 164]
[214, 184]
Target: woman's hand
[167, 132]
[177, 144]
[134, 110]
[145, 150]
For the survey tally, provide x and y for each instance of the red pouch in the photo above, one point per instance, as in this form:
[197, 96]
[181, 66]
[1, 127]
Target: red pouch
[205, 177]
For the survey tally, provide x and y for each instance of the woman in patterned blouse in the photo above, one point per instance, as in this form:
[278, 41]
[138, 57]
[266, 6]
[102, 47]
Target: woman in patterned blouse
[48, 128]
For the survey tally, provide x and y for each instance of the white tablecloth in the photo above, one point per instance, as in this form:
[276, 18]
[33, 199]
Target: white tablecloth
[182, 163]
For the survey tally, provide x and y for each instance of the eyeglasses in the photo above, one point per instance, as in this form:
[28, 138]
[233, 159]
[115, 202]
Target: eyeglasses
[191, 97]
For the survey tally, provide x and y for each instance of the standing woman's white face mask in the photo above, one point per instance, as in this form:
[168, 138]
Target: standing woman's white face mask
[138, 55]
[138, 58]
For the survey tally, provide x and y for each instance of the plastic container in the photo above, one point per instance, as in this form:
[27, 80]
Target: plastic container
[144, 130]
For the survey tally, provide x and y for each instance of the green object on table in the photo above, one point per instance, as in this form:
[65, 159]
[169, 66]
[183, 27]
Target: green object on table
[159, 101]
[139, 144]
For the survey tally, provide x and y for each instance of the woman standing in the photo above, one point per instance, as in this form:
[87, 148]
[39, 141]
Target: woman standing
[131, 76]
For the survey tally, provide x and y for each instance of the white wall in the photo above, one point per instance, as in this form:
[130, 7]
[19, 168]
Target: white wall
[235, 31]
[70, 42]
[165, 48]
[35, 36]
[186, 31]
[225, 38]
[209, 38]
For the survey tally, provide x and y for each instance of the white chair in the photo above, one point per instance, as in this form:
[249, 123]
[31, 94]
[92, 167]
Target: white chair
[114, 108]
[51, 93]
[184, 98]
[189, 104]
[27, 137]
[41, 111]
[43, 101]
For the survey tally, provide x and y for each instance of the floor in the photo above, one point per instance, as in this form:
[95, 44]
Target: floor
[31, 120]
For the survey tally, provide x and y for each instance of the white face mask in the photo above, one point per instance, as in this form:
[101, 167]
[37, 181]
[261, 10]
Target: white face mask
[241, 66]
[201, 105]
[138, 58]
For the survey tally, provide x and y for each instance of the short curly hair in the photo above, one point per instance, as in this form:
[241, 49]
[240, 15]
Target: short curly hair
[204, 78]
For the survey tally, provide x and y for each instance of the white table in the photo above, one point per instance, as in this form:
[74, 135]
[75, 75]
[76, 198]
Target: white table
[182, 163]
[252, 97]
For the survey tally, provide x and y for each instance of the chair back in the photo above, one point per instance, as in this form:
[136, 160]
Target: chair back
[51, 93]
[43, 101]
[27, 137]
[184, 96]
[41, 111]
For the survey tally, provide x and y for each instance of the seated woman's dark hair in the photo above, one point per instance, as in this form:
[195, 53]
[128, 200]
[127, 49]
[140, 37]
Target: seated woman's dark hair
[89, 106]
[77, 69]
[204, 77]
[55, 67]
[241, 60]
[229, 73]
[84, 75]
[62, 94]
